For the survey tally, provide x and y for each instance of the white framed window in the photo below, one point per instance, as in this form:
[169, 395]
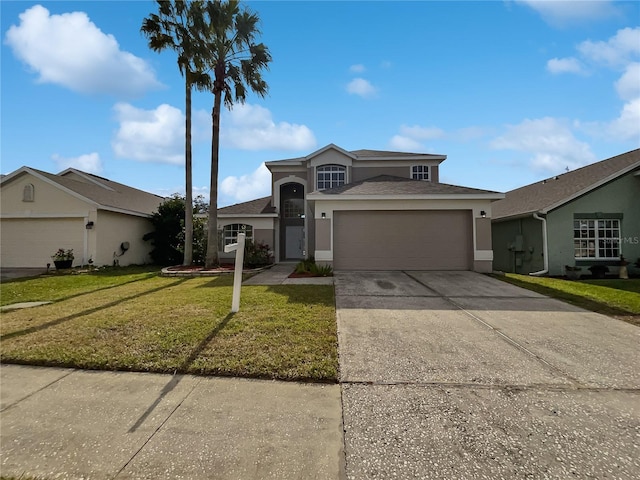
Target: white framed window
[596, 238]
[230, 233]
[330, 176]
[420, 172]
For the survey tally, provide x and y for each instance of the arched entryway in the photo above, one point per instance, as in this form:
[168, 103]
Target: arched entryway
[292, 213]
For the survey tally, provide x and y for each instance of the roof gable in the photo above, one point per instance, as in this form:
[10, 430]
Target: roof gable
[357, 155]
[554, 192]
[100, 192]
[388, 185]
[260, 206]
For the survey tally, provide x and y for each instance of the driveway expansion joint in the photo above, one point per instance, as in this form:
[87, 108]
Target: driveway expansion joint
[552, 387]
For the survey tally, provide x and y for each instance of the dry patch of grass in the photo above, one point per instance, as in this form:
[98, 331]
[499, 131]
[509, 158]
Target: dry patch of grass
[144, 322]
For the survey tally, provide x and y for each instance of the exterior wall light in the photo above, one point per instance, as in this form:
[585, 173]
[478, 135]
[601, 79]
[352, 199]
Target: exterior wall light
[324, 215]
[483, 214]
[89, 225]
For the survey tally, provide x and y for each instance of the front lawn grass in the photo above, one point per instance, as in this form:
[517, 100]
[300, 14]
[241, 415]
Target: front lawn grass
[618, 298]
[143, 322]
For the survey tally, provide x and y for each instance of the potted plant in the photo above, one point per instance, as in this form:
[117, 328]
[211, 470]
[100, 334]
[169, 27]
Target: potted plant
[63, 258]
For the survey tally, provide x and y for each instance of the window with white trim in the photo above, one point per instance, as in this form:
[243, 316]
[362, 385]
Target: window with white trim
[596, 238]
[330, 176]
[230, 233]
[420, 172]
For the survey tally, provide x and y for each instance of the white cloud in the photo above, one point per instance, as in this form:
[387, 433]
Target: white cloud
[565, 12]
[89, 162]
[410, 138]
[628, 86]
[71, 51]
[627, 125]
[357, 68]
[149, 135]
[421, 133]
[617, 51]
[361, 87]
[251, 127]
[549, 140]
[404, 144]
[248, 187]
[565, 65]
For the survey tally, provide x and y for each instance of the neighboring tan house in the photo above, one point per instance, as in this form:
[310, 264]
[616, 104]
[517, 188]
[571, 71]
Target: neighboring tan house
[586, 217]
[101, 220]
[368, 210]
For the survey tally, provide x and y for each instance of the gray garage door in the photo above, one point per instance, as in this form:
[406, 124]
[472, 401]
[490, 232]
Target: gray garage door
[31, 242]
[402, 240]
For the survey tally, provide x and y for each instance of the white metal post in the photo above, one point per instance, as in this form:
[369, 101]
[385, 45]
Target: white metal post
[237, 275]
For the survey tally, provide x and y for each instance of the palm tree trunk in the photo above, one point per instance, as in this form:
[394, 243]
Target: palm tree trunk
[188, 202]
[212, 259]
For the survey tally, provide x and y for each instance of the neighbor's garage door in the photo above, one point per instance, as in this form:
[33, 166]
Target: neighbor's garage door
[402, 240]
[31, 242]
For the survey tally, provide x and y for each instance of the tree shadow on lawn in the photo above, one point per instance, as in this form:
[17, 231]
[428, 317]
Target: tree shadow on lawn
[301, 294]
[89, 311]
[100, 289]
[182, 369]
[577, 300]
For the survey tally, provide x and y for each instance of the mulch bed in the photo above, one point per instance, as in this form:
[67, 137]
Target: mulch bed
[225, 267]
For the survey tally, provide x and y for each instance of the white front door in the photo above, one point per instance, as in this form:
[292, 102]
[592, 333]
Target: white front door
[294, 238]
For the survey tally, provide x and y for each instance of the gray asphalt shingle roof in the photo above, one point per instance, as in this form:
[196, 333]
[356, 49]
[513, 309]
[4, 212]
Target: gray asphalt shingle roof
[252, 207]
[540, 196]
[116, 195]
[391, 185]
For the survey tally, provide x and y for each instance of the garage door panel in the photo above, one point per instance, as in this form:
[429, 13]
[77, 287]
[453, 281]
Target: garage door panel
[31, 242]
[403, 240]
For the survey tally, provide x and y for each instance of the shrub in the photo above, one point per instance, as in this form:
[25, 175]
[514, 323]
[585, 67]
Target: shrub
[256, 254]
[309, 265]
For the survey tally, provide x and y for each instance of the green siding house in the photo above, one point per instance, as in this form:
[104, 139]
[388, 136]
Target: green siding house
[584, 218]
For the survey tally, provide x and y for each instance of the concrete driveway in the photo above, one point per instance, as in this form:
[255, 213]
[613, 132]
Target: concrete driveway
[458, 375]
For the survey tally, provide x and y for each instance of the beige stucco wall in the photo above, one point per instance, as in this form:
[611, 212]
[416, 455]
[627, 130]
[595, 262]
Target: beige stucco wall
[48, 200]
[330, 157]
[323, 234]
[110, 230]
[482, 251]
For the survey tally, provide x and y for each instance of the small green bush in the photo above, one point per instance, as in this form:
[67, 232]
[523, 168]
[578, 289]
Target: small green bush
[256, 254]
[309, 265]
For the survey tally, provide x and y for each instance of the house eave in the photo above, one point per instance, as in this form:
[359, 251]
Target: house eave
[487, 196]
[124, 211]
[592, 187]
[515, 216]
[243, 215]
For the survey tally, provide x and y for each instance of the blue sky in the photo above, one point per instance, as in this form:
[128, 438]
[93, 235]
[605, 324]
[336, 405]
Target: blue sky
[511, 91]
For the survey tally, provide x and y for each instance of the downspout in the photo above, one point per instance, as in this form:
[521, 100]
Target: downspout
[545, 247]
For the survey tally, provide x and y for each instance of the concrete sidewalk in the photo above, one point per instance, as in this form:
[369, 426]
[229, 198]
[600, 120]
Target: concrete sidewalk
[63, 423]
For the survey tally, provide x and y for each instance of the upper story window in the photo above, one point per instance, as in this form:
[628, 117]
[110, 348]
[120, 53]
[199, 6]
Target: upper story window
[330, 176]
[28, 193]
[420, 172]
[596, 238]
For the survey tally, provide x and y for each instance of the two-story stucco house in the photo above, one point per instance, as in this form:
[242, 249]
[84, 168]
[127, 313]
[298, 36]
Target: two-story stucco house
[368, 210]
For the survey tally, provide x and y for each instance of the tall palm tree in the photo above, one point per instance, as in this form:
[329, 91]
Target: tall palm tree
[175, 27]
[236, 62]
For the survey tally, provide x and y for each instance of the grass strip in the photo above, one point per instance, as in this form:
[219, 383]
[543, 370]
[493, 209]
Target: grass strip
[620, 299]
[143, 322]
